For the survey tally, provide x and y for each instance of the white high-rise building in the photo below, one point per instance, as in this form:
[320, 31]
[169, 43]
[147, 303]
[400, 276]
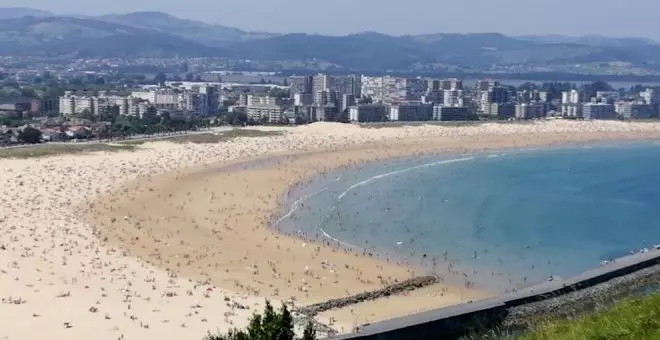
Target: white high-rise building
[389, 89]
[570, 97]
[453, 98]
[650, 96]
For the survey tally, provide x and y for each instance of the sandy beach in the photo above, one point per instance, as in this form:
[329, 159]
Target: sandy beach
[163, 243]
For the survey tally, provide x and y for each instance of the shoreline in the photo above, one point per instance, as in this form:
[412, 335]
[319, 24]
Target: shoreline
[292, 201]
[180, 277]
[362, 281]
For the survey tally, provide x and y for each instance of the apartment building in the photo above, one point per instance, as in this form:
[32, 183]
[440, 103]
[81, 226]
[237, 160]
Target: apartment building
[411, 111]
[389, 89]
[368, 113]
[301, 84]
[265, 108]
[531, 110]
[452, 113]
[72, 103]
[635, 110]
[598, 111]
[453, 98]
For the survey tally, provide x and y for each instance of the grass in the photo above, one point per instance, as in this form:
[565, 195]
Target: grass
[207, 138]
[634, 319]
[45, 150]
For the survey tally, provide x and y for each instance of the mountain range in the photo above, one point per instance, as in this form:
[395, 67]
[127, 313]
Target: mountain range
[25, 31]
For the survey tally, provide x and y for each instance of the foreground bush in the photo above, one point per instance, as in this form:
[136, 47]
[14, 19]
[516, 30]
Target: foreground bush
[636, 319]
[271, 325]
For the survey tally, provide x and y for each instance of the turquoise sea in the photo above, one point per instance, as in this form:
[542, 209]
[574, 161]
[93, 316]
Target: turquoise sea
[500, 220]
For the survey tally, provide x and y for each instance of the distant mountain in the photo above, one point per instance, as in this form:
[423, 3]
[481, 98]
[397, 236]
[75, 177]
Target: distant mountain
[590, 40]
[19, 12]
[207, 34]
[372, 51]
[157, 34]
[84, 37]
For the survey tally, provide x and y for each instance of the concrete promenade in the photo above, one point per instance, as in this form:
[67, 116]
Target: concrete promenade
[454, 320]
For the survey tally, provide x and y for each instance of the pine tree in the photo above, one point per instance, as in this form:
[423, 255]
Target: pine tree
[270, 322]
[309, 333]
[285, 324]
[255, 328]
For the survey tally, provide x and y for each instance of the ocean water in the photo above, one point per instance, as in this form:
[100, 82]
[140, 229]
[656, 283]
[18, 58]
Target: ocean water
[498, 220]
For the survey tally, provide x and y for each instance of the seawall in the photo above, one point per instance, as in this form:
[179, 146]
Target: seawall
[459, 320]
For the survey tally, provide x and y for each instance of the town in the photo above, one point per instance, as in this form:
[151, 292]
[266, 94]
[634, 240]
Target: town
[91, 107]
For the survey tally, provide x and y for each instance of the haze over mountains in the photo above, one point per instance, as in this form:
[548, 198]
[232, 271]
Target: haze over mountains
[32, 32]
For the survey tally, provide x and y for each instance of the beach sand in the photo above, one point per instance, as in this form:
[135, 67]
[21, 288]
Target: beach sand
[162, 242]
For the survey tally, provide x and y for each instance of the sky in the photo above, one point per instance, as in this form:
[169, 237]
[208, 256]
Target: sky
[616, 18]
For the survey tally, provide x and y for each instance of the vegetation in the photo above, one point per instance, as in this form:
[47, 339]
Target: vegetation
[207, 138]
[271, 325]
[637, 319]
[30, 135]
[44, 150]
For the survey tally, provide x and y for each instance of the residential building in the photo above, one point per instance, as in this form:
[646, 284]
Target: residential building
[368, 113]
[487, 85]
[451, 84]
[315, 113]
[301, 84]
[598, 111]
[372, 87]
[571, 110]
[76, 103]
[347, 100]
[453, 113]
[347, 85]
[531, 110]
[433, 96]
[389, 89]
[165, 98]
[265, 108]
[325, 97]
[301, 99]
[571, 97]
[453, 98]
[635, 110]
[411, 111]
[45, 105]
[501, 110]
[571, 104]
[322, 82]
[650, 96]
[494, 95]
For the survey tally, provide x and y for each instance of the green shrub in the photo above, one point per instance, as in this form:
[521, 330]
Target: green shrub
[271, 325]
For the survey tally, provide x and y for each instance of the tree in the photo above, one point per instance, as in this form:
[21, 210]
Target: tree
[160, 78]
[30, 135]
[278, 92]
[309, 333]
[590, 90]
[272, 325]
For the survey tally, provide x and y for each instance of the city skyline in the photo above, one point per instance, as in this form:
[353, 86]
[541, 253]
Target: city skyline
[510, 17]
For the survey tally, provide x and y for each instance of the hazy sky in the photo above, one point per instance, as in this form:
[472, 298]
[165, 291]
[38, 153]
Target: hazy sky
[516, 17]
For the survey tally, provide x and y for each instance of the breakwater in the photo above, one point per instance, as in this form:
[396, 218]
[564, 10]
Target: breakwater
[396, 288]
[455, 321]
